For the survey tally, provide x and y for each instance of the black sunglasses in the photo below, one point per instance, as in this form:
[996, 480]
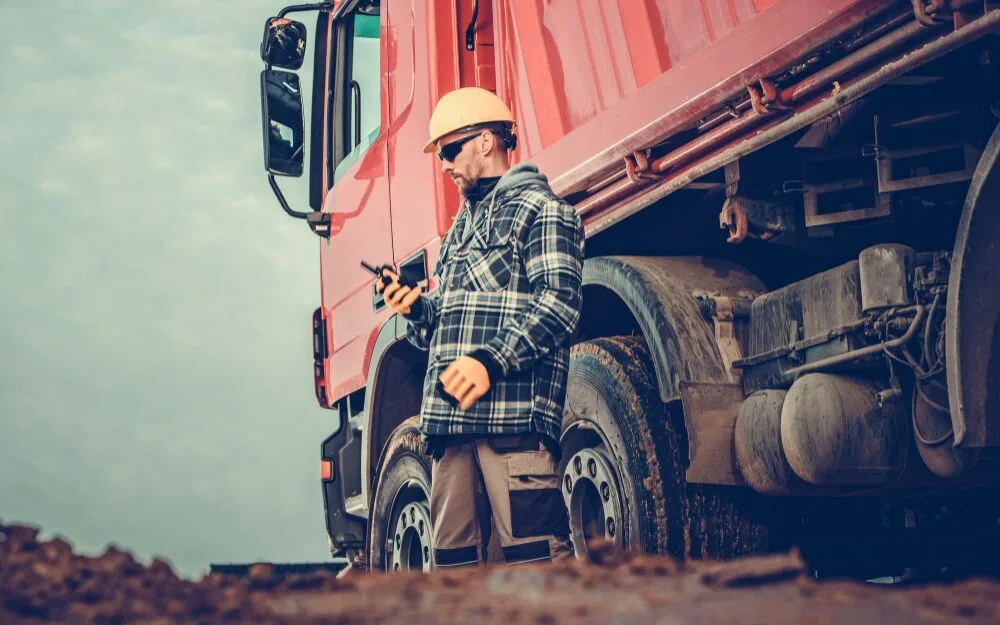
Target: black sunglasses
[450, 151]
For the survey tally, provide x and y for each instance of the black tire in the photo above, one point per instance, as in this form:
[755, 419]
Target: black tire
[399, 510]
[613, 411]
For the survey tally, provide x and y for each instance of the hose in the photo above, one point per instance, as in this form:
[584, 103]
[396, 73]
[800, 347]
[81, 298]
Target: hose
[936, 406]
[864, 351]
[927, 330]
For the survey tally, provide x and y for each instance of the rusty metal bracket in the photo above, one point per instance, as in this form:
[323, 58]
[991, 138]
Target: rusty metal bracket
[723, 311]
[965, 11]
[637, 167]
[725, 336]
[734, 217]
[771, 97]
[756, 101]
[734, 213]
[923, 11]
[746, 217]
[958, 12]
[732, 173]
[765, 99]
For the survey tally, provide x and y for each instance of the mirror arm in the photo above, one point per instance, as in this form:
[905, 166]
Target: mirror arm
[281, 199]
[319, 222]
[470, 32]
[295, 8]
[356, 92]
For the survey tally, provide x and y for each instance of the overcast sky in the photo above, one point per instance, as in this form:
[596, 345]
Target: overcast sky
[155, 349]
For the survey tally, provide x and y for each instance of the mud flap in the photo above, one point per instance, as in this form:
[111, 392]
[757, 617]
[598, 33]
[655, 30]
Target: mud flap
[710, 419]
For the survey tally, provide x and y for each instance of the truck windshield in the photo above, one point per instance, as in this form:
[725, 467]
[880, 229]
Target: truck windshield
[365, 61]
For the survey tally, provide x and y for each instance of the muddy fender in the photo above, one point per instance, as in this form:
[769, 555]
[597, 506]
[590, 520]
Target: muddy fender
[972, 326]
[659, 291]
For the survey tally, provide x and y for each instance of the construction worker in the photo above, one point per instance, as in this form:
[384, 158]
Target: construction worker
[497, 330]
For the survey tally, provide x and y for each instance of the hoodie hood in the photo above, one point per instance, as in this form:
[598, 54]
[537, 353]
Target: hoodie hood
[521, 175]
[514, 179]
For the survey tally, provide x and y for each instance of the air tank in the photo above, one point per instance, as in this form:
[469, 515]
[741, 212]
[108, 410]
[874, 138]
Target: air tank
[840, 430]
[757, 443]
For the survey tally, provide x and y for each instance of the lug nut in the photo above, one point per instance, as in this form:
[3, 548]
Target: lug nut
[611, 527]
[605, 491]
[592, 467]
[578, 465]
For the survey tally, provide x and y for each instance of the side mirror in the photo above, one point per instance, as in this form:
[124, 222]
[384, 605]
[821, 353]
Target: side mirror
[284, 139]
[284, 43]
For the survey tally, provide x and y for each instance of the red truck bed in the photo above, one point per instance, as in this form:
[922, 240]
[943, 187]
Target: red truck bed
[594, 81]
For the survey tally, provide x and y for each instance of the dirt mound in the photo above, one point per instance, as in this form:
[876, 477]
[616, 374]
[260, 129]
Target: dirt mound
[46, 582]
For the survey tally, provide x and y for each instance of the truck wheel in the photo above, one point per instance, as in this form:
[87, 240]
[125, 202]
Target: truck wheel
[624, 458]
[399, 528]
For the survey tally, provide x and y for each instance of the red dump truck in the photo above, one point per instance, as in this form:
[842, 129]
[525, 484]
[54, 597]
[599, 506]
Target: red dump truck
[790, 330]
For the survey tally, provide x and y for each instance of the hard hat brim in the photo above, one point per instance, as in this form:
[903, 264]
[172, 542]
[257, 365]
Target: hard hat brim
[432, 144]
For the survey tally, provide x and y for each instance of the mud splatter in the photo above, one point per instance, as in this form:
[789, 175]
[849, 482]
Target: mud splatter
[45, 582]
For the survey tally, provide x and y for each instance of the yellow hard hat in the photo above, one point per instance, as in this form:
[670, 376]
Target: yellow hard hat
[465, 107]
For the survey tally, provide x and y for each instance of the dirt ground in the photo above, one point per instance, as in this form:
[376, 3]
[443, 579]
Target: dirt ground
[45, 582]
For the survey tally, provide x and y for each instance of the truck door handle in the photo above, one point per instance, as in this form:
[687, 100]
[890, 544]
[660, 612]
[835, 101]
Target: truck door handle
[356, 92]
[470, 32]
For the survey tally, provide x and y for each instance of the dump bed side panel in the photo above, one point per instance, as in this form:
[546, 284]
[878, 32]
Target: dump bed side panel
[593, 81]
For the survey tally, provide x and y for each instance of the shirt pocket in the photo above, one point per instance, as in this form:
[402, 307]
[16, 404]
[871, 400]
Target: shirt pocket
[490, 261]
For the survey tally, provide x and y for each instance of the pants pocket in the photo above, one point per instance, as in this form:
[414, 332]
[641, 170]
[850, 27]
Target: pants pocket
[536, 503]
[516, 442]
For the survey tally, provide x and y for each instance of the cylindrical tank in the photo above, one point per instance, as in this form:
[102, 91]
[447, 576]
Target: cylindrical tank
[835, 430]
[757, 442]
[886, 273]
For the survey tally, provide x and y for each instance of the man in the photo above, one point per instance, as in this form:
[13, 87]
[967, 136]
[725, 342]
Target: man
[497, 330]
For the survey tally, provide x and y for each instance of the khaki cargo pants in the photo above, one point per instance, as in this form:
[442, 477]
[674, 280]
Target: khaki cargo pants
[524, 505]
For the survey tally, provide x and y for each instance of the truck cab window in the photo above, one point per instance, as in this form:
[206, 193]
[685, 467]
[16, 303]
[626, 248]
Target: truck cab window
[360, 108]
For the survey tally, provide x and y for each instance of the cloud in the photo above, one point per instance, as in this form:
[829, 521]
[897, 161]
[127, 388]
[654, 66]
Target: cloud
[156, 379]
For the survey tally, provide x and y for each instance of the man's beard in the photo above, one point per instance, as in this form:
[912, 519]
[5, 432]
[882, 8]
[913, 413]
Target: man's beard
[462, 183]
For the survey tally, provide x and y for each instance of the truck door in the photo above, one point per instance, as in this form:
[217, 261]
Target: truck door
[429, 55]
[356, 178]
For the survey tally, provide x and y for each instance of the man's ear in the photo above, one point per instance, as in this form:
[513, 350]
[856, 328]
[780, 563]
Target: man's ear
[490, 142]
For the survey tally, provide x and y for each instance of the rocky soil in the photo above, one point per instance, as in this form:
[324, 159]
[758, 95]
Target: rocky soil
[45, 582]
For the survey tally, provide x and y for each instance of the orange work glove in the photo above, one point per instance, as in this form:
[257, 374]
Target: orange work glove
[399, 298]
[466, 380]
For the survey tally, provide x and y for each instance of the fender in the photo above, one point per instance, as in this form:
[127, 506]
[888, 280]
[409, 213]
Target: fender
[395, 387]
[972, 324]
[660, 294]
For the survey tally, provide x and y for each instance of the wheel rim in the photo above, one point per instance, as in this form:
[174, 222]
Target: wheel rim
[409, 545]
[593, 498]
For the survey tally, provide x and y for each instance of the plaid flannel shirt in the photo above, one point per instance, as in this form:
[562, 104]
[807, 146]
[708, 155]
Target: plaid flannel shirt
[512, 292]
